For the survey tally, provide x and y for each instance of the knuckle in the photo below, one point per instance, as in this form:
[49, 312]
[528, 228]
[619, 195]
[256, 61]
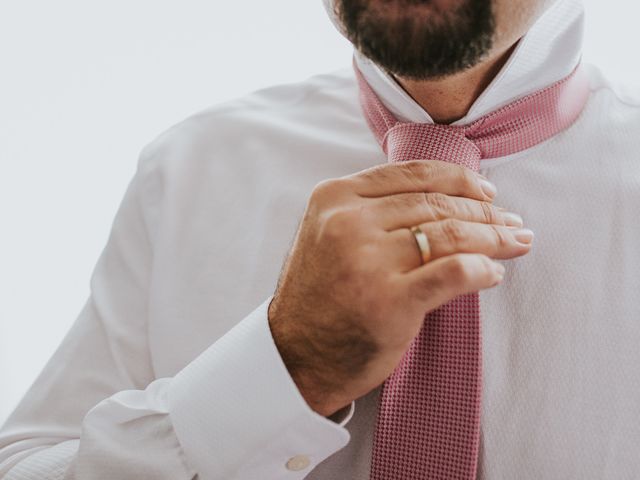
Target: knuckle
[488, 213]
[411, 171]
[460, 270]
[326, 190]
[467, 179]
[469, 269]
[404, 201]
[419, 171]
[339, 223]
[441, 205]
[379, 174]
[453, 230]
[485, 264]
[501, 237]
[373, 173]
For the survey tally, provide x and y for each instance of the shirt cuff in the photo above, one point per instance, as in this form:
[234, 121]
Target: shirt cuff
[238, 414]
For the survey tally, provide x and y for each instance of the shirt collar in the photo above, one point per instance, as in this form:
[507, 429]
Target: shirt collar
[549, 51]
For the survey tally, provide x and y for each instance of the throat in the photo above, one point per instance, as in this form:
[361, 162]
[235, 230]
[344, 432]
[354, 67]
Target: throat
[449, 99]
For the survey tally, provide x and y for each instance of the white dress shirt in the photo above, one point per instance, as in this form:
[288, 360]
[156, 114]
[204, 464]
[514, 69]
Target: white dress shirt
[170, 370]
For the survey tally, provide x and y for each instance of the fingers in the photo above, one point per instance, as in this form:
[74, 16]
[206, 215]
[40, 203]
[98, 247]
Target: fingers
[449, 237]
[439, 281]
[421, 176]
[409, 209]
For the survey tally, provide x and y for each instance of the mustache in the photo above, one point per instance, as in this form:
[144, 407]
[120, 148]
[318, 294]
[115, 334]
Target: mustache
[435, 9]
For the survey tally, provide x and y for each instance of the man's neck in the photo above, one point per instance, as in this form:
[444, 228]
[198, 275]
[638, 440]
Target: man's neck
[449, 99]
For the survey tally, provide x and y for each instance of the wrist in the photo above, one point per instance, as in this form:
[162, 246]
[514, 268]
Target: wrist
[321, 385]
[322, 398]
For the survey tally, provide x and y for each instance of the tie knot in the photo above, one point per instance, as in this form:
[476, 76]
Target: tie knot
[515, 127]
[422, 141]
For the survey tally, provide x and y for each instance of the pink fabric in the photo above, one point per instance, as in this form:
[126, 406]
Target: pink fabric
[428, 424]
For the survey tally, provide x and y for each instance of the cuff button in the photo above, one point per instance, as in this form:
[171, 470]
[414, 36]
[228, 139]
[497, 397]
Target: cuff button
[297, 463]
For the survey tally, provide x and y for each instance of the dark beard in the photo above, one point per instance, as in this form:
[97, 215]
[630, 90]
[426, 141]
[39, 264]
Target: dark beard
[417, 47]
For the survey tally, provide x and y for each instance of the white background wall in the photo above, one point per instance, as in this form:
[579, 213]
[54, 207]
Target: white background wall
[84, 85]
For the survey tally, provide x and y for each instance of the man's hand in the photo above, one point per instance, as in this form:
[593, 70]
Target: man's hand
[353, 293]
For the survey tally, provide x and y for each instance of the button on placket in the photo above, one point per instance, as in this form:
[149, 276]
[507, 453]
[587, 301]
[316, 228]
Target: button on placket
[297, 463]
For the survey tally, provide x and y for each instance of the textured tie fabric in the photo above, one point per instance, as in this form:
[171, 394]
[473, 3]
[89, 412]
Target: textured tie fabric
[428, 424]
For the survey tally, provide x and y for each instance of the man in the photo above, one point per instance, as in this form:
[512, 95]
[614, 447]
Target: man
[459, 119]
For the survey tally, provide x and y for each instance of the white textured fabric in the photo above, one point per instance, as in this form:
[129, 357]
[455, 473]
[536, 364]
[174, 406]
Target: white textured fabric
[196, 249]
[278, 424]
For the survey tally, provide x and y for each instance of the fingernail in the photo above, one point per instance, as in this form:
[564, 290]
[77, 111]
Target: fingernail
[512, 219]
[523, 235]
[488, 188]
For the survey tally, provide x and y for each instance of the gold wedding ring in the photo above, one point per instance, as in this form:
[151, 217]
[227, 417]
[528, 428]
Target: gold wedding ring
[423, 243]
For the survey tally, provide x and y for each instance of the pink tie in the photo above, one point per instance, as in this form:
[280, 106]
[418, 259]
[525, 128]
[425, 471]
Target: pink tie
[428, 424]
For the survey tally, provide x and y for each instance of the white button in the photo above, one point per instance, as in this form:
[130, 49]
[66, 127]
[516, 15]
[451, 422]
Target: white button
[297, 463]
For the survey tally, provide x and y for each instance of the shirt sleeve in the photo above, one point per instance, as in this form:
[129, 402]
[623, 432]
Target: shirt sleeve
[287, 438]
[98, 411]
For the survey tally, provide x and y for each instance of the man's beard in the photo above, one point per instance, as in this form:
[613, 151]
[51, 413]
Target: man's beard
[419, 43]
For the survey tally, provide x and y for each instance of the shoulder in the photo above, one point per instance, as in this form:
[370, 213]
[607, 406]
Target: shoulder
[282, 138]
[607, 132]
[611, 119]
[618, 100]
[294, 112]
